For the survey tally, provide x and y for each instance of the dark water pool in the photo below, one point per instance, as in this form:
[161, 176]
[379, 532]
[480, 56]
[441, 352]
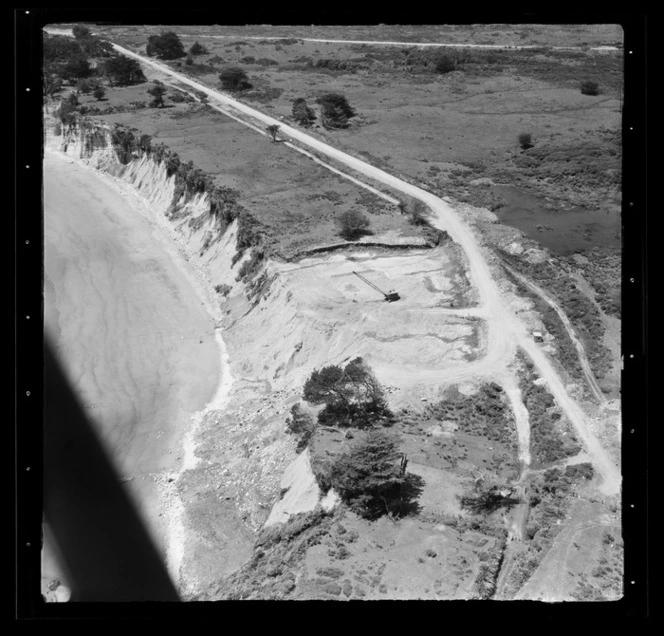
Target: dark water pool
[561, 231]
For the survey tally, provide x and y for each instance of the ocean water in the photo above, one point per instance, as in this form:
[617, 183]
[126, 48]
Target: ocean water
[130, 329]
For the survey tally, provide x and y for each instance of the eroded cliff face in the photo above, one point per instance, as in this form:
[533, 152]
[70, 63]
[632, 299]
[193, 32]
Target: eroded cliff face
[239, 444]
[279, 321]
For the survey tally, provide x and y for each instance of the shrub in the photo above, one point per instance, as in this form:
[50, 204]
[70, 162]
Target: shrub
[157, 92]
[123, 70]
[417, 214]
[197, 49]
[85, 86]
[99, 93]
[166, 46]
[302, 114]
[444, 64]
[301, 424]
[335, 110]
[525, 141]
[589, 88]
[353, 224]
[223, 289]
[234, 78]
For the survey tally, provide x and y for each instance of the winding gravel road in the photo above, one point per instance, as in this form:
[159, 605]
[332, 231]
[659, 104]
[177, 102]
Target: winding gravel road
[505, 330]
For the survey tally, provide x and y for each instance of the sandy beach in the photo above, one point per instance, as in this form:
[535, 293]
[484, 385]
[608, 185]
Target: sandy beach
[134, 326]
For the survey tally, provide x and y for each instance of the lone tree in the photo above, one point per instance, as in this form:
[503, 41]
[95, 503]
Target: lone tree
[353, 224]
[157, 91]
[122, 71]
[234, 78]
[99, 92]
[352, 395]
[335, 110]
[526, 141]
[371, 477]
[273, 129]
[166, 46]
[589, 88]
[197, 49]
[302, 114]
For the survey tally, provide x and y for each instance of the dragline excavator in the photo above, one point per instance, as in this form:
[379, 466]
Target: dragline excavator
[389, 297]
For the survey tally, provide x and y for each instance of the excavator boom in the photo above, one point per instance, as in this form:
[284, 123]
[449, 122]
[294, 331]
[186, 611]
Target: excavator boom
[391, 297]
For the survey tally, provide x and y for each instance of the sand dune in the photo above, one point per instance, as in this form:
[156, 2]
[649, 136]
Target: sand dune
[130, 326]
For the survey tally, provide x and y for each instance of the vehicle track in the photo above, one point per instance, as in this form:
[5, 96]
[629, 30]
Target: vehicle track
[581, 352]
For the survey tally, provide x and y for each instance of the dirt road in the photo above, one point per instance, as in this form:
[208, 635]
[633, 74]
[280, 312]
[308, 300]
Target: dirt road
[583, 358]
[457, 45]
[505, 330]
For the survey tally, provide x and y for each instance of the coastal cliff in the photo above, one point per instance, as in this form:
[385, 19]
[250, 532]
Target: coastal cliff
[232, 472]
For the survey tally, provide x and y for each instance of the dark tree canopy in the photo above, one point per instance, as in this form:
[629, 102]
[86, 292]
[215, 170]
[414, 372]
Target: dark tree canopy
[353, 224]
[80, 31]
[589, 88]
[302, 114]
[157, 92]
[122, 70]
[52, 84]
[166, 46]
[96, 47]
[197, 49]
[525, 141]
[352, 396]
[234, 78]
[273, 129]
[372, 479]
[301, 424]
[67, 111]
[99, 92]
[75, 68]
[445, 64]
[335, 110]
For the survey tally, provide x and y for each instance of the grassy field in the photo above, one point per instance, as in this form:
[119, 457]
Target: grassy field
[448, 130]
[507, 34]
[296, 200]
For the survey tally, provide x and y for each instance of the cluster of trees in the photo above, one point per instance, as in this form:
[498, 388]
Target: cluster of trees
[166, 46]
[352, 396]
[85, 63]
[371, 475]
[123, 71]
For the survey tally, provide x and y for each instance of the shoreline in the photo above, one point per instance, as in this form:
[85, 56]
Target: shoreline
[169, 505]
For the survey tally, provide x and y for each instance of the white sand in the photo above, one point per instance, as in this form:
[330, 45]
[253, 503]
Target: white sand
[135, 327]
